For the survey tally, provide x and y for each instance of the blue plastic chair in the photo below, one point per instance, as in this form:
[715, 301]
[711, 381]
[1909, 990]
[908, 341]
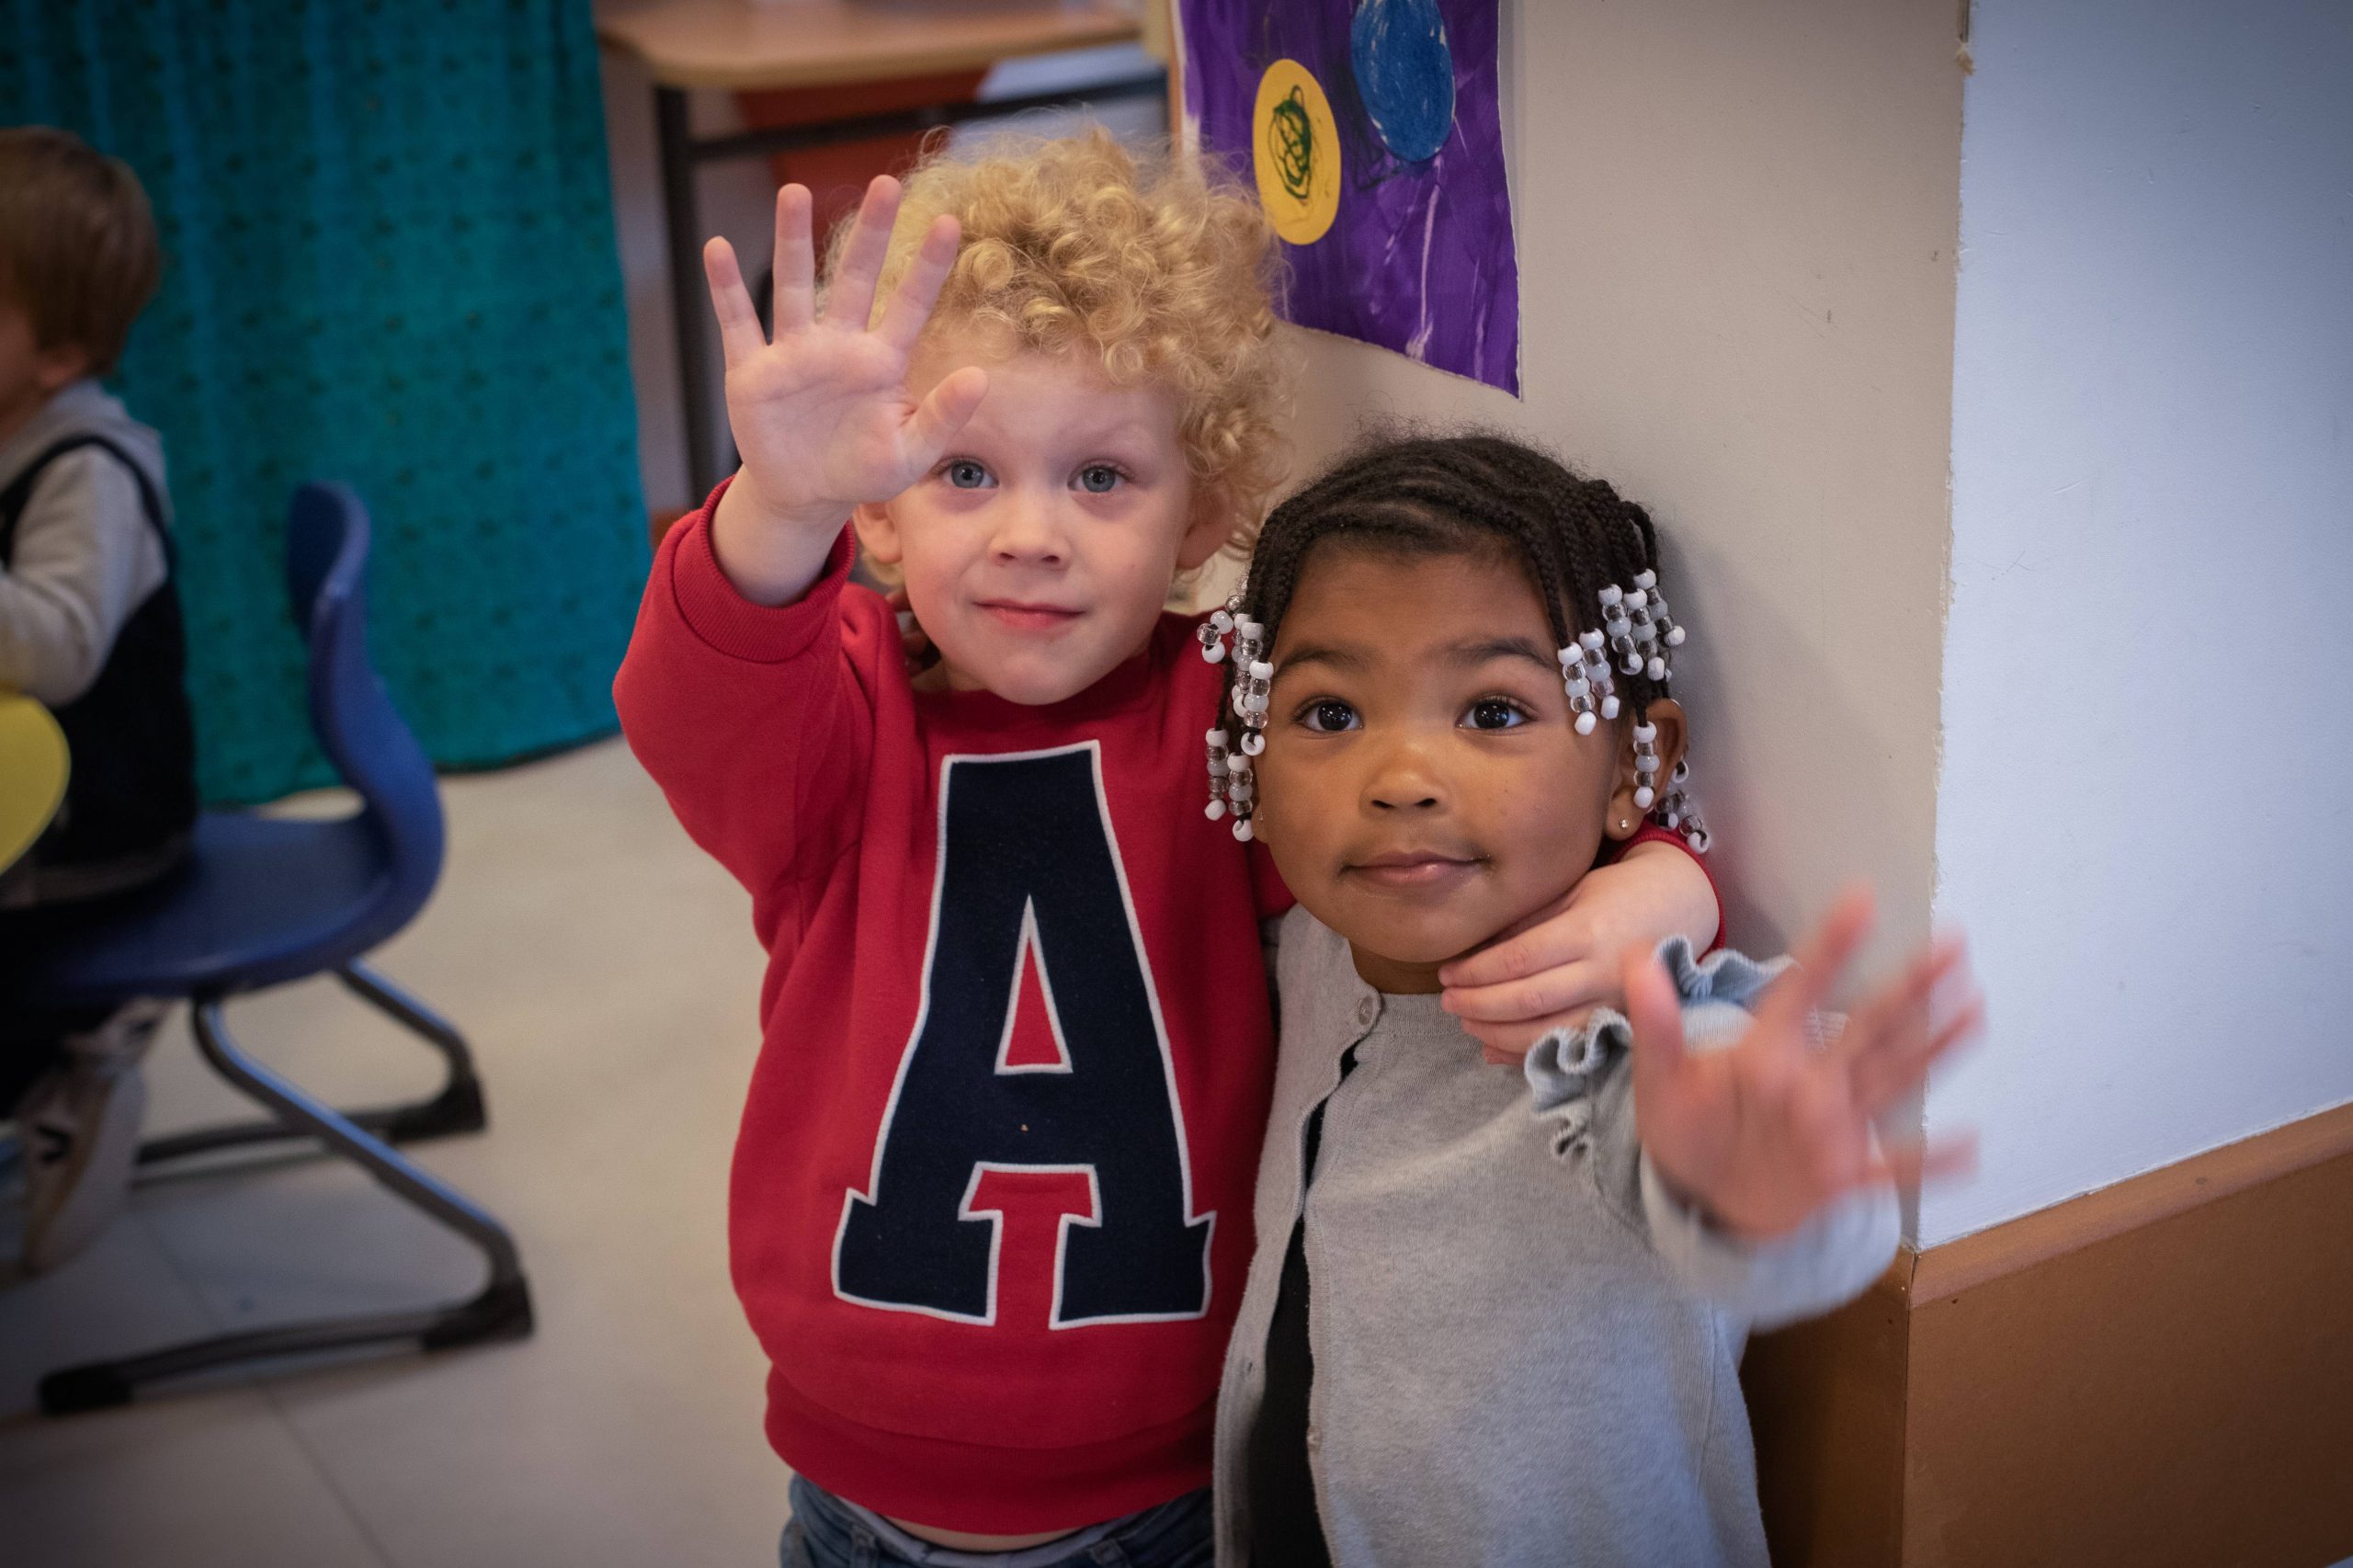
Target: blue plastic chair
[263, 901]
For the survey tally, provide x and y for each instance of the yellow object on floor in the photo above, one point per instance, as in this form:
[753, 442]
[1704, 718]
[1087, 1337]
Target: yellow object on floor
[33, 769]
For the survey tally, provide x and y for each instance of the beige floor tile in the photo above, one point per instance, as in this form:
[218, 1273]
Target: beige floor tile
[218, 1482]
[121, 1294]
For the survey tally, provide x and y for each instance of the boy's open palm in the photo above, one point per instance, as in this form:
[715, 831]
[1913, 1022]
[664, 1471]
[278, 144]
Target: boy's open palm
[1764, 1134]
[822, 413]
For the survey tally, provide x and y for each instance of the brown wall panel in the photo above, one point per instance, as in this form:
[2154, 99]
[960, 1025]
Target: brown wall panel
[2156, 1374]
[1825, 1399]
[2178, 1393]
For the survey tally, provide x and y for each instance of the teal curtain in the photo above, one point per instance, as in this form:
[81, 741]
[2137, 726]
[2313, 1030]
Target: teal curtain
[389, 260]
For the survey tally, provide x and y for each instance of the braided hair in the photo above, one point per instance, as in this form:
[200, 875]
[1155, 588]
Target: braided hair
[1467, 494]
[1445, 495]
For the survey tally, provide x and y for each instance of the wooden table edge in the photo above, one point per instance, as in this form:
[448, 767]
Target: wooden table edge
[702, 71]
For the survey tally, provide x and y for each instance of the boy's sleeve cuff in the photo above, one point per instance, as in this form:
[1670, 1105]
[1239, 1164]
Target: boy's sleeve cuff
[1652, 833]
[732, 624]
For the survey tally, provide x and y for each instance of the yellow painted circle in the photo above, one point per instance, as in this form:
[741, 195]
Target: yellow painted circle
[32, 773]
[1296, 152]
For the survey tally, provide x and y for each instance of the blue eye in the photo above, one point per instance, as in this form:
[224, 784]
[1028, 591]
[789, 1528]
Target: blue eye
[1328, 715]
[1099, 479]
[1495, 713]
[965, 474]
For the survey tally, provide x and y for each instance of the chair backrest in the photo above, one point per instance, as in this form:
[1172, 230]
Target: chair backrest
[363, 734]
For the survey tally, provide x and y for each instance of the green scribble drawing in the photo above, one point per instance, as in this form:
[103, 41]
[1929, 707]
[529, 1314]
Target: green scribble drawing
[1291, 136]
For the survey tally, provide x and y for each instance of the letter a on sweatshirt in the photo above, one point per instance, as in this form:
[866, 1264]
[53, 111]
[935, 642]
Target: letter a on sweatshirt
[1030, 880]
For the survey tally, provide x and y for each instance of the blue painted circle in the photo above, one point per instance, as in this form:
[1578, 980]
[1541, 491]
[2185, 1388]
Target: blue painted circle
[1405, 73]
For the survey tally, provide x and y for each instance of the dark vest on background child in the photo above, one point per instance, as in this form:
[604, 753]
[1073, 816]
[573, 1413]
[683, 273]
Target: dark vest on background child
[131, 797]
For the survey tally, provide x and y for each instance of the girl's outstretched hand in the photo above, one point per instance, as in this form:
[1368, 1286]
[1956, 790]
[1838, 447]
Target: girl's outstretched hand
[822, 412]
[1763, 1133]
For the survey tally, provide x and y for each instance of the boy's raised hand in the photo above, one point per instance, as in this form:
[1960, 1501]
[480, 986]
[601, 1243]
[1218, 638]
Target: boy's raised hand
[822, 413]
[1766, 1131]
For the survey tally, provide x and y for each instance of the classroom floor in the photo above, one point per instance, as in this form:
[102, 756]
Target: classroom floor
[605, 972]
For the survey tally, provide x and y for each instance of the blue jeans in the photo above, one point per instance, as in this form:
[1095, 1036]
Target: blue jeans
[827, 1531]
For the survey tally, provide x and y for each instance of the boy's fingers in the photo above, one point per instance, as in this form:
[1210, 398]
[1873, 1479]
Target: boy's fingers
[1521, 950]
[850, 301]
[911, 303]
[739, 324]
[941, 414]
[795, 303]
[1521, 1000]
[1515, 1038]
[1820, 961]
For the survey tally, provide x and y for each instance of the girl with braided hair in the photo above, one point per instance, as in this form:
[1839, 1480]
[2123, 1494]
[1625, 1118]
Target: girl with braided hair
[1496, 1316]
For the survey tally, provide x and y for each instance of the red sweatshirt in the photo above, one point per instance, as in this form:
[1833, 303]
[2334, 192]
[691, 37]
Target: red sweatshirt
[991, 1204]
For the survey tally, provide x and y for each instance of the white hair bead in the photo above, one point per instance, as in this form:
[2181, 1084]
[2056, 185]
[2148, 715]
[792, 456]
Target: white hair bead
[1656, 668]
[1609, 706]
[1585, 723]
[1645, 734]
[1644, 796]
[1253, 742]
[1241, 829]
[1216, 809]
[1675, 637]
[1213, 632]
[1612, 593]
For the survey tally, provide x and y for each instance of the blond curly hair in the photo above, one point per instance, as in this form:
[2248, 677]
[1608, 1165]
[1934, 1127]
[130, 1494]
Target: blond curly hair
[1082, 244]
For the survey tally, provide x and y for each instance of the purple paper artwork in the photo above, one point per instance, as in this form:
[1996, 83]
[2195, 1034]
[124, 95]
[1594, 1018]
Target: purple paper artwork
[1370, 130]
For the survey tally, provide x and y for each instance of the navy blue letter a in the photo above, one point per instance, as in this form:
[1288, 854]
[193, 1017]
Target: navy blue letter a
[1027, 838]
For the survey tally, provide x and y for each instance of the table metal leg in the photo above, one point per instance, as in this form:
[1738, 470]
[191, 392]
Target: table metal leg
[698, 367]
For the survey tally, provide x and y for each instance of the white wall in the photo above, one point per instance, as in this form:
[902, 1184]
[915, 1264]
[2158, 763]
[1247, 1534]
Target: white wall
[2143, 813]
[1735, 223]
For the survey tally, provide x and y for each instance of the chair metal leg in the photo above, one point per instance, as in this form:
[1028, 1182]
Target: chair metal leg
[457, 1107]
[502, 1310]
